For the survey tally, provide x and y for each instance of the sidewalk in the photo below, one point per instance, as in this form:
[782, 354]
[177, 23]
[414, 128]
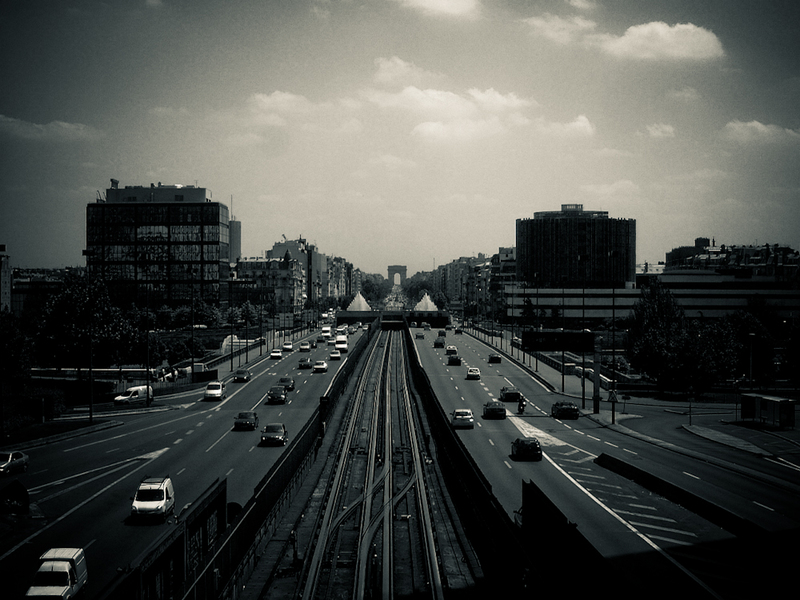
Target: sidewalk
[746, 436]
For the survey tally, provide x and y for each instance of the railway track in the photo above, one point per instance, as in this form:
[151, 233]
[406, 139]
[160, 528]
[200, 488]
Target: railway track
[377, 536]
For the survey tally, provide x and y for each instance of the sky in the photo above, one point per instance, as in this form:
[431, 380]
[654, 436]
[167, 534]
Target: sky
[404, 132]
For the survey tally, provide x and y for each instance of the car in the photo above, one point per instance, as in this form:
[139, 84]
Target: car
[526, 448]
[305, 347]
[510, 394]
[332, 341]
[276, 395]
[215, 390]
[320, 339]
[495, 358]
[13, 462]
[473, 373]
[276, 353]
[420, 335]
[462, 419]
[565, 410]
[305, 363]
[320, 367]
[494, 409]
[335, 355]
[459, 331]
[454, 360]
[242, 375]
[274, 434]
[246, 420]
[137, 393]
[438, 342]
[287, 383]
[288, 347]
[155, 497]
[451, 350]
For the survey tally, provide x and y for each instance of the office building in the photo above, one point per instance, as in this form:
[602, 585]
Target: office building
[577, 249]
[162, 244]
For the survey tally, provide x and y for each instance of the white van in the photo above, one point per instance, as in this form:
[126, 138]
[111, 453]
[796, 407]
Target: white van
[326, 331]
[341, 343]
[137, 393]
[62, 574]
[155, 497]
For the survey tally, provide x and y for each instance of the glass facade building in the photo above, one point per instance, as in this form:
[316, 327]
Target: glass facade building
[160, 245]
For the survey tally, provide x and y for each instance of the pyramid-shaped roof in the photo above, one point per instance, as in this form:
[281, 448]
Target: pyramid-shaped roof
[359, 304]
[426, 304]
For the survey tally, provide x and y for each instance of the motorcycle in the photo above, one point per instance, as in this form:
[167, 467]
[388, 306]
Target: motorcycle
[521, 407]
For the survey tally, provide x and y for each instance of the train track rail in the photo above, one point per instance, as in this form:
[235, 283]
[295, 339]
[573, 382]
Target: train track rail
[377, 537]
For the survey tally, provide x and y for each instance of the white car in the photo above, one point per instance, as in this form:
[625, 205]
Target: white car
[336, 355]
[320, 367]
[287, 347]
[215, 390]
[305, 347]
[462, 419]
[473, 373]
[276, 353]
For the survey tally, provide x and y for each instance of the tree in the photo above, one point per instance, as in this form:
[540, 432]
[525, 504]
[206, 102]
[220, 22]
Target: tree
[80, 326]
[655, 335]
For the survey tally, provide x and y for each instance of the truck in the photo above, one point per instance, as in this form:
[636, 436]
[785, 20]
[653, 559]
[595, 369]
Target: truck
[62, 574]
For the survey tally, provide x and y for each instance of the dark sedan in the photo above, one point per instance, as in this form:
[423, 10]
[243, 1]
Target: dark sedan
[246, 420]
[287, 383]
[494, 409]
[565, 410]
[274, 434]
[11, 462]
[527, 448]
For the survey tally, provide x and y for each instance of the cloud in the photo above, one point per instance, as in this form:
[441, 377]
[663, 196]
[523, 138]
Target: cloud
[560, 30]
[622, 187]
[446, 115]
[580, 126]
[685, 94]
[468, 9]
[396, 71]
[661, 130]
[660, 41]
[54, 131]
[756, 132]
[582, 4]
[459, 130]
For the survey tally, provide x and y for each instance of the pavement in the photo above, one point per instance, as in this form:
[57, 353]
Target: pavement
[756, 438]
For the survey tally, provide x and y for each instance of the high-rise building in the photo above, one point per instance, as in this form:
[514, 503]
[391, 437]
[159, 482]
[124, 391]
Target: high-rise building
[576, 248]
[161, 244]
[235, 240]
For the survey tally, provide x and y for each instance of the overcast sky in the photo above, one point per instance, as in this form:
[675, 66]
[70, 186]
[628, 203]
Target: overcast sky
[406, 132]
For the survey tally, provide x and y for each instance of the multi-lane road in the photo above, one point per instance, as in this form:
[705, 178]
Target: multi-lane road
[83, 486]
[619, 517]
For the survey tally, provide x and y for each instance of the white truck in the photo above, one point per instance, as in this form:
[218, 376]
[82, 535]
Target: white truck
[62, 574]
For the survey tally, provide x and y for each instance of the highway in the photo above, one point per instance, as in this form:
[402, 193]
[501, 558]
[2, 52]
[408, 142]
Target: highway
[83, 486]
[619, 517]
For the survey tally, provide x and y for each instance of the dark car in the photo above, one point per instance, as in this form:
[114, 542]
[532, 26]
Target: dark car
[438, 342]
[420, 335]
[459, 331]
[242, 375]
[305, 363]
[276, 395]
[11, 462]
[246, 420]
[527, 448]
[454, 360]
[495, 358]
[565, 410]
[287, 383]
[274, 434]
[494, 409]
[510, 394]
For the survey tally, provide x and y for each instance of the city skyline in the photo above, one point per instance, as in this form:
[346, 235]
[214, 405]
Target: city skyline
[406, 132]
